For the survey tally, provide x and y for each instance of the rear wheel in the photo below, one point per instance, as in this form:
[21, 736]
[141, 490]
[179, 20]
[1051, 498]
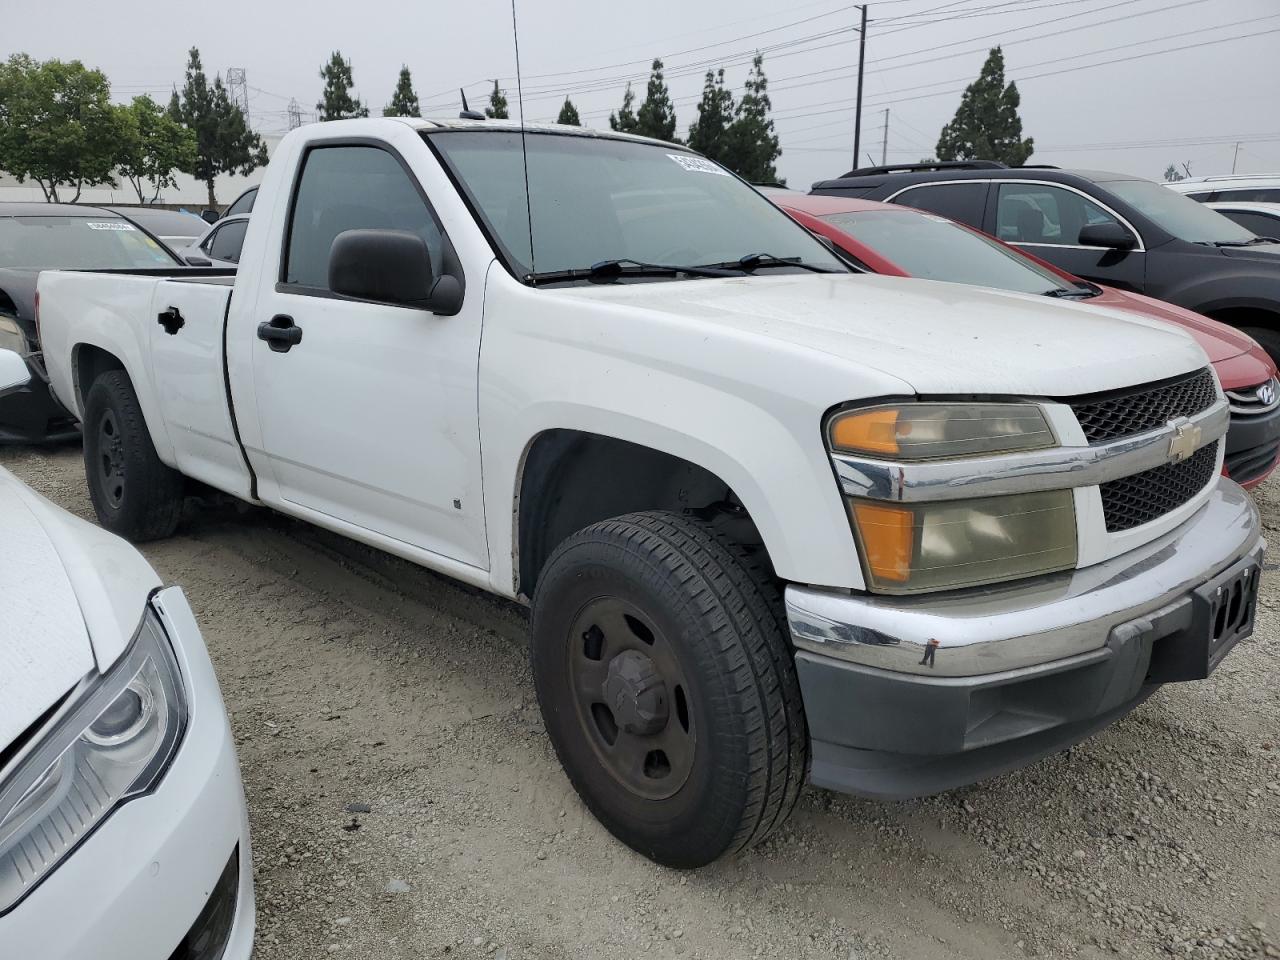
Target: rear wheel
[668, 687]
[134, 494]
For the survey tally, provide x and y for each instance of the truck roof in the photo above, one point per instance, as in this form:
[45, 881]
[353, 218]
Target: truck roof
[514, 126]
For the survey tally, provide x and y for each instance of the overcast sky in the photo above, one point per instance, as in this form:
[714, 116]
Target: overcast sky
[1105, 103]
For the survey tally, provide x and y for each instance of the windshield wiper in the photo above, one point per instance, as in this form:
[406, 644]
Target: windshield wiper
[1079, 291]
[607, 270]
[760, 261]
[1244, 243]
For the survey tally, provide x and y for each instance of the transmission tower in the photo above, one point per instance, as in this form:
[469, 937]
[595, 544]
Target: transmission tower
[238, 89]
[295, 113]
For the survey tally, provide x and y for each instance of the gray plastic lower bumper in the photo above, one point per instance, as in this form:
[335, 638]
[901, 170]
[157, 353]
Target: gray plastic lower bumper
[1169, 611]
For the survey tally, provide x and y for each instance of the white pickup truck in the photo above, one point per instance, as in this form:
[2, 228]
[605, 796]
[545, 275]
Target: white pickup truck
[774, 518]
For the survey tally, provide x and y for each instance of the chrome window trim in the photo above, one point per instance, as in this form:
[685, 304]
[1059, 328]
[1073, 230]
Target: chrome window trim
[1034, 470]
[1140, 248]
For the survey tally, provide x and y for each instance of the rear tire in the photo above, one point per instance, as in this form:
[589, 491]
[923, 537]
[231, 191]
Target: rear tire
[134, 494]
[668, 686]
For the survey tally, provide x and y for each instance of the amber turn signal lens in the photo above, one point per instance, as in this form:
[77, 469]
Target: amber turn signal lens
[872, 431]
[888, 537]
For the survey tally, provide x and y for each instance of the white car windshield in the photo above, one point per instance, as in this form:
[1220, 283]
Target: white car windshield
[598, 199]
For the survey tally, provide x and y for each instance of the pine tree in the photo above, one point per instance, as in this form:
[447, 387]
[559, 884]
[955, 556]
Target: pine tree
[404, 102]
[986, 125]
[752, 145]
[709, 133]
[224, 141]
[337, 102]
[569, 114]
[657, 115]
[497, 108]
[624, 121]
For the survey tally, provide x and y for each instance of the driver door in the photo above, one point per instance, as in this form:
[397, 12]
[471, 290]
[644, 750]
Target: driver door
[370, 418]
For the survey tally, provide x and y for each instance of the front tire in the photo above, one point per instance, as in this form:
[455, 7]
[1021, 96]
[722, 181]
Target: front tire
[668, 687]
[134, 494]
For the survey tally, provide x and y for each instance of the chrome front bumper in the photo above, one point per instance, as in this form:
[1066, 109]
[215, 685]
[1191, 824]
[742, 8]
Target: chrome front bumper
[998, 629]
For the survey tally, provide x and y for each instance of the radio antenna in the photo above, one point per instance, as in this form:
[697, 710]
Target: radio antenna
[524, 148]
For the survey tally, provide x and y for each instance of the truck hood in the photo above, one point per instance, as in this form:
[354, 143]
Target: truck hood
[935, 337]
[73, 598]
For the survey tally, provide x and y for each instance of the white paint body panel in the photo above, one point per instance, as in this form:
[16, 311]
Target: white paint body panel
[396, 414]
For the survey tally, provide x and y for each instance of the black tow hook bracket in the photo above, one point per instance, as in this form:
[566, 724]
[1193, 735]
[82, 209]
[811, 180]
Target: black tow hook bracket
[171, 320]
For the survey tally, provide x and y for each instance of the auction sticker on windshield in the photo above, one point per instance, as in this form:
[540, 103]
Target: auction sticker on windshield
[697, 164]
[108, 225]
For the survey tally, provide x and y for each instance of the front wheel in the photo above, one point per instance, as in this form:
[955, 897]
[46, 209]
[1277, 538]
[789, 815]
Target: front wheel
[668, 687]
[134, 493]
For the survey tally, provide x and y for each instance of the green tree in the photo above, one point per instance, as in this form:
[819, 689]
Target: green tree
[657, 115]
[1172, 174]
[224, 141]
[336, 103]
[404, 102]
[152, 146]
[58, 126]
[986, 125]
[709, 133]
[624, 121]
[569, 114]
[752, 145]
[497, 108]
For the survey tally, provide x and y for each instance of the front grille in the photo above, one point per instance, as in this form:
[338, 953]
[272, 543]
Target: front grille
[1121, 413]
[1132, 501]
[1255, 400]
[1251, 463]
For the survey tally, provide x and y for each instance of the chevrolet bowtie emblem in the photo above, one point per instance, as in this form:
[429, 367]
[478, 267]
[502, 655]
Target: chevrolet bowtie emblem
[1185, 440]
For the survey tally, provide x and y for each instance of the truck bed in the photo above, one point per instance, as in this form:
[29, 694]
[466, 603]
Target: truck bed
[177, 368]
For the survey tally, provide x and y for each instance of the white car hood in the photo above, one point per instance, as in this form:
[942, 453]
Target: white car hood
[71, 598]
[936, 337]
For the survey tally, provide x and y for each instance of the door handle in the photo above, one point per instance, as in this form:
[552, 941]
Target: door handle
[281, 333]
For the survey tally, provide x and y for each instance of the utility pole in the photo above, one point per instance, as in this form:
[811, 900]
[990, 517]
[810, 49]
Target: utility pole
[884, 140]
[295, 114]
[1235, 156]
[857, 117]
[238, 89]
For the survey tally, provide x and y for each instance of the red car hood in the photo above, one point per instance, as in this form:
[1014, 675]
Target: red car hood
[1238, 359]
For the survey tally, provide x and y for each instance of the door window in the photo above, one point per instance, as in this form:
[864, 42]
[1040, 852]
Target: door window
[1038, 213]
[955, 201]
[351, 188]
[1262, 194]
[244, 203]
[227, 241]
[1257, 223]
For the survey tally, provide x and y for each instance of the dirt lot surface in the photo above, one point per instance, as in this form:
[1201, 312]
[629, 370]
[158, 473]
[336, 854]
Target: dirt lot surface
[405, 802]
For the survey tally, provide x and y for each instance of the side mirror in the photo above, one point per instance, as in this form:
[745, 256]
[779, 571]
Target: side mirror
[13, 372]
[210, 216]
[194, 261]
[390, 266]
[1109, 235]
[446, 296]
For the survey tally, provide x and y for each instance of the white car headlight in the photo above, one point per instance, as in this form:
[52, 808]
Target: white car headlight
[111, 745]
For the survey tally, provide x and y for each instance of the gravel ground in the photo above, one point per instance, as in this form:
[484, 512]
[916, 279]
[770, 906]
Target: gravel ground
[405, 802]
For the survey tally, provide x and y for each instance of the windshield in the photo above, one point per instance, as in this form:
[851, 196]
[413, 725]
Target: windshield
[934, 248]
[1178, 215]
[169, 222]
[92, 242]
[597, 199]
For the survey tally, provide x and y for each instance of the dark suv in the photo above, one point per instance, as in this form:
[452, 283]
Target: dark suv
[1108, 227]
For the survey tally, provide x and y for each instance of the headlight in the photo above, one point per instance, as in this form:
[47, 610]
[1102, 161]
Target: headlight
[12, 337]
[113, 744]
[910, 548]
[931, 431]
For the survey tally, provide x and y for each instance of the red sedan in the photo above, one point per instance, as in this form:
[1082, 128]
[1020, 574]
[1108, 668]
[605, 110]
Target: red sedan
[899, 241]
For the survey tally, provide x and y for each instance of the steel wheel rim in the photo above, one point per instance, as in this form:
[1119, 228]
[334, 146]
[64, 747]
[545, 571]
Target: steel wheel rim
[110, 459]
[631, 698]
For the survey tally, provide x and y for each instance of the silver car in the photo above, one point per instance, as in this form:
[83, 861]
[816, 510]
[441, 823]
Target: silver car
[220, 245]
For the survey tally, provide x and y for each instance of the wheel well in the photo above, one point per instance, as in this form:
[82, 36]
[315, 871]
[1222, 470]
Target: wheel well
[573, 479]
[88, 363]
